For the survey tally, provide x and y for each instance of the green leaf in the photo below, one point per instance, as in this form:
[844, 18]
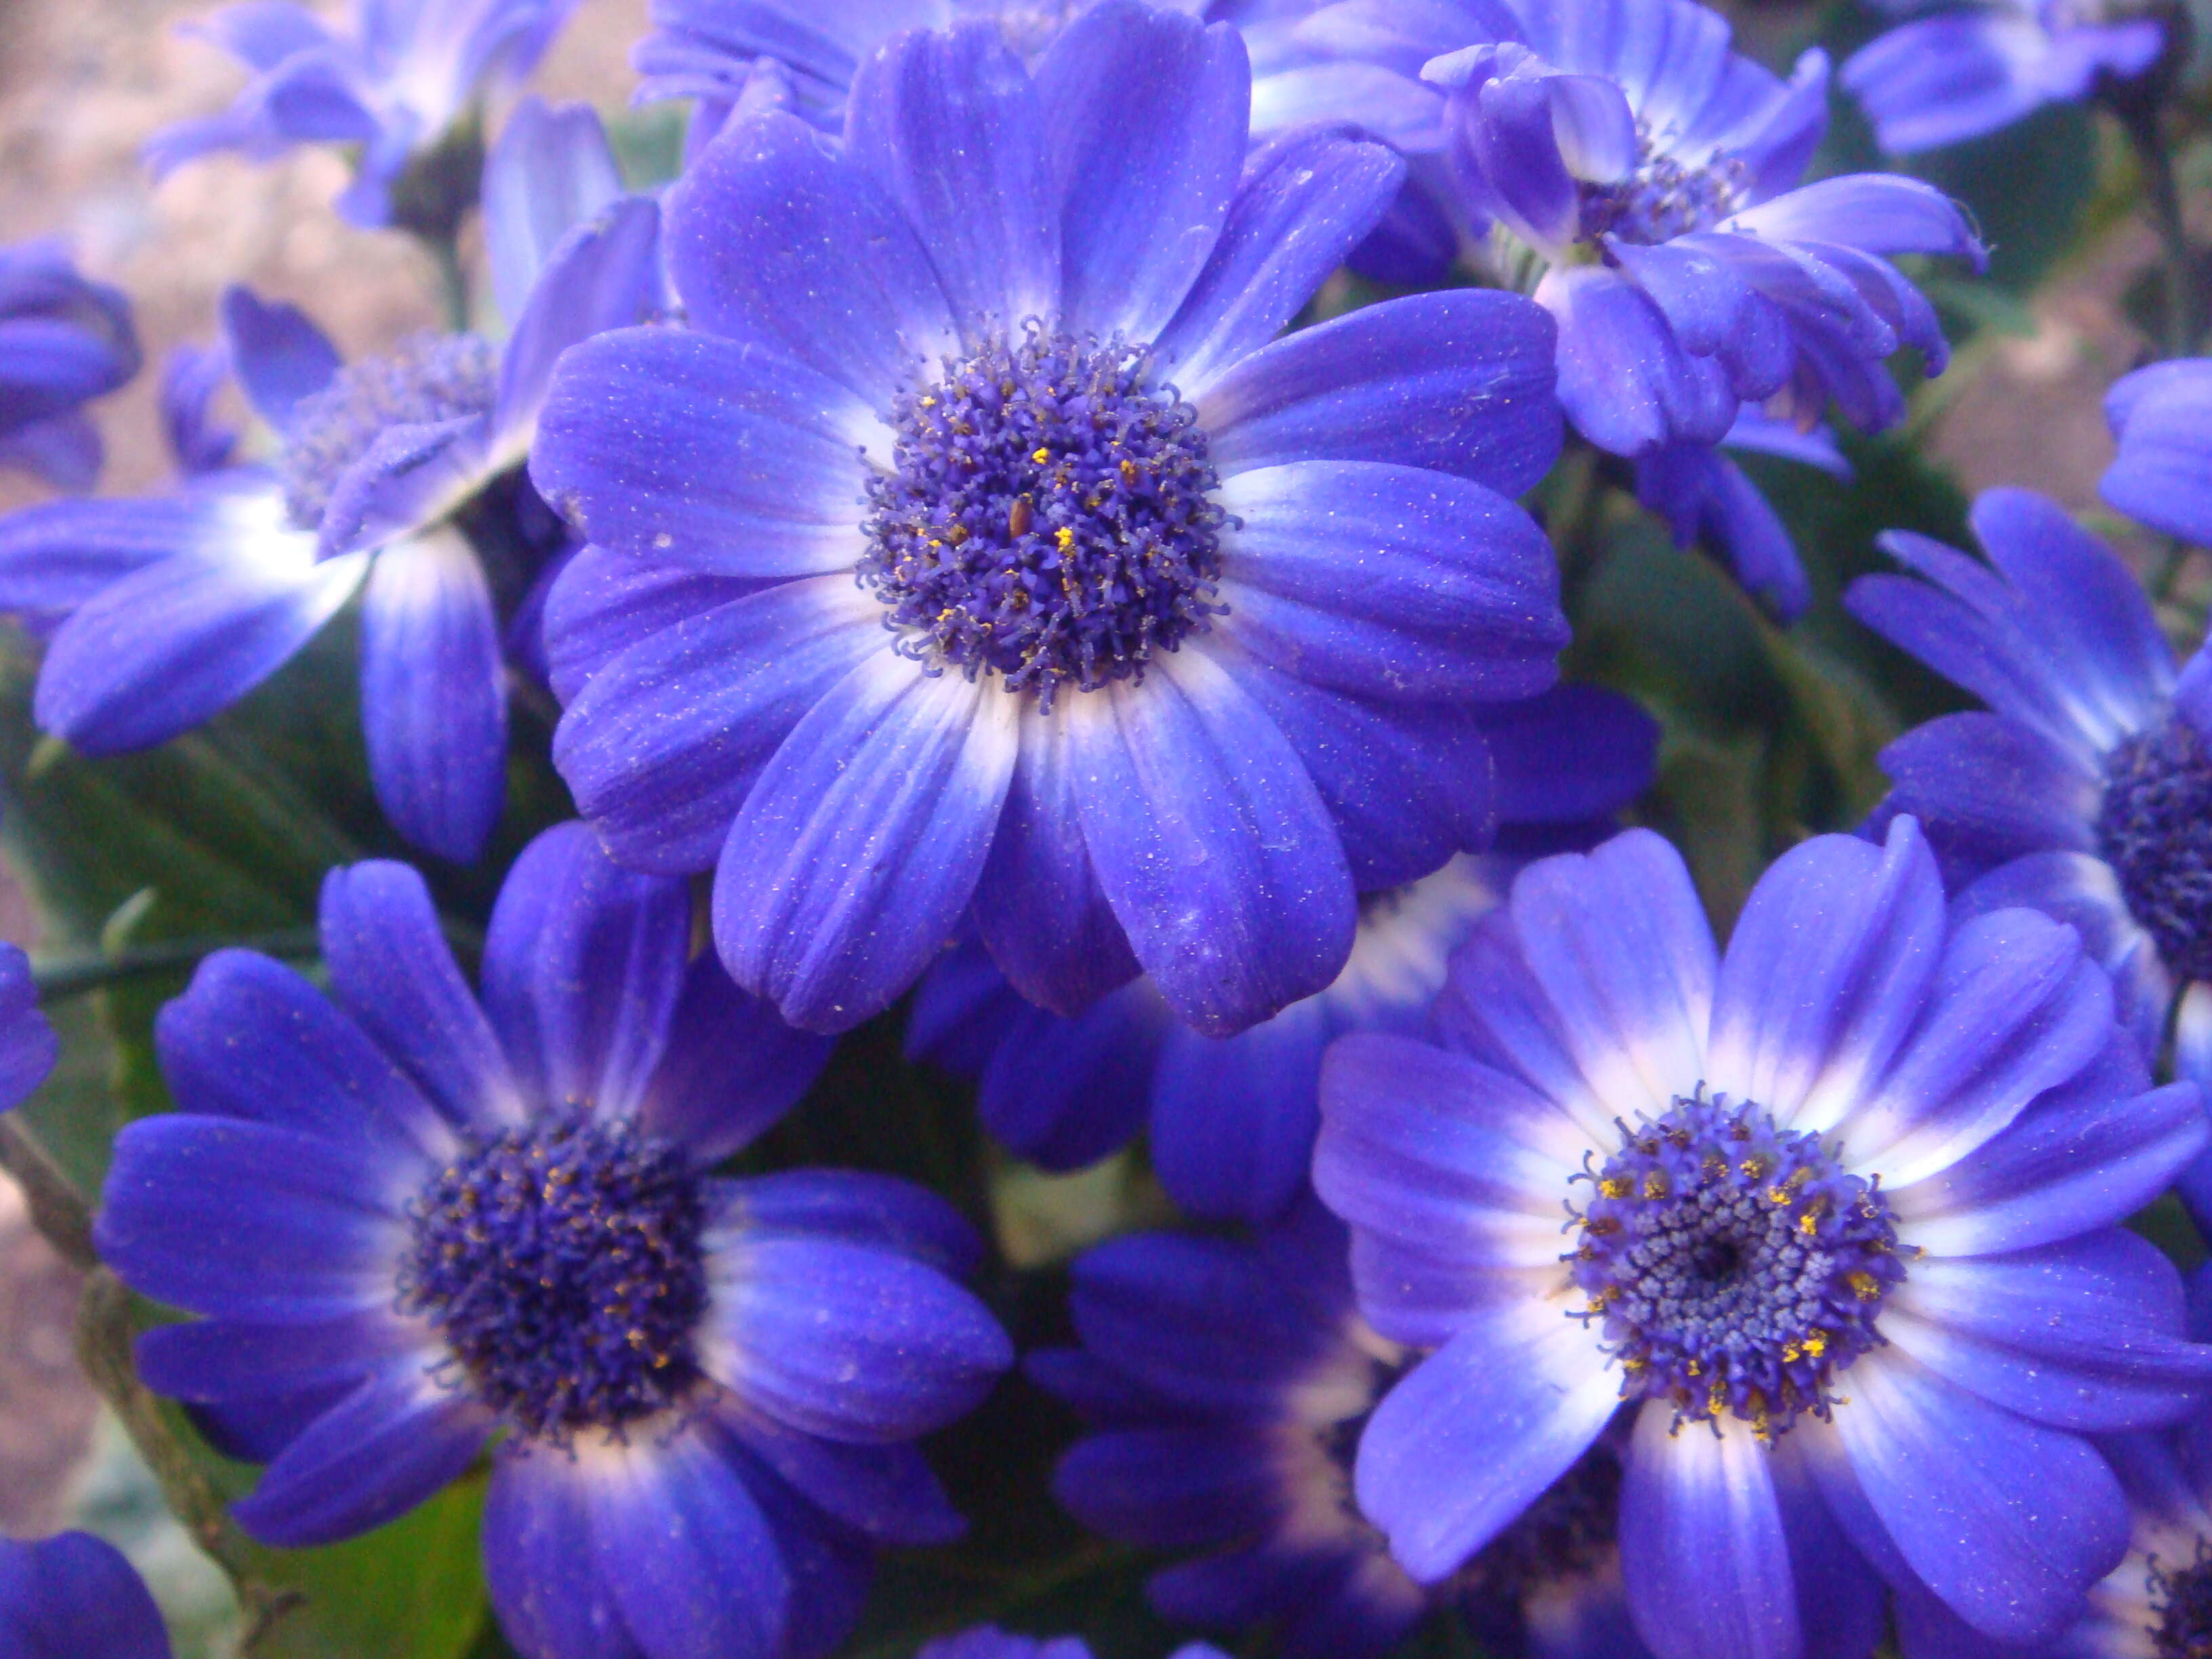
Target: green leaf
[413, 1590]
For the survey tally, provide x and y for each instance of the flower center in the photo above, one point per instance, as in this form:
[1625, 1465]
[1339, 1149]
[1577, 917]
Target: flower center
[427, 378]
[2183, 1603]
[1664, 199]
[1566, 1531]
[562, 1264]
[1047, 517]
[2154, 828]
[1736, 1267]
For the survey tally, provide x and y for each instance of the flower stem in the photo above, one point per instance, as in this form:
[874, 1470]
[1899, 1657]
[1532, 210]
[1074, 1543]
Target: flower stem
[59, 978]
[58, 1209]
[2140, 117]
[104, 1349]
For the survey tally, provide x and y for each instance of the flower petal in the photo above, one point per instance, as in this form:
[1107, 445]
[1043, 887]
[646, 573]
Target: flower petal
[861, 843]
[1214, 849]
[1702, 1544]
[550, 170]
[75, 1595]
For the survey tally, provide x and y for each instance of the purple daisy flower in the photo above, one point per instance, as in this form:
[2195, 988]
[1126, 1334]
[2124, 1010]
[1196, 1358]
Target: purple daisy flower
[978, 551]
[1231, 1119]
[424, 1225]
[409, 73]
[74, 1596]
[1228, 1382]
[64, 341]
[2157, 1603]
[1656, 172]
[1954, 75]
[2084, 789]
[2161, 418]
[399, 476]
[1841, 1238]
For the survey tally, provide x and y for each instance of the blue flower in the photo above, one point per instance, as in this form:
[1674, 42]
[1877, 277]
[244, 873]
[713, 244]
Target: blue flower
[1656, 172]
[1228, 1382]
[398, 475]
[1157, 627]
[1842, 1211]
[410, 72]
[75, 1597]
[2084, 788]
[424, 1224]
[1954, 75]
[2156, 1604]
[1231, 1119]
[989, 1642]
[64, 341]
[2161, 418]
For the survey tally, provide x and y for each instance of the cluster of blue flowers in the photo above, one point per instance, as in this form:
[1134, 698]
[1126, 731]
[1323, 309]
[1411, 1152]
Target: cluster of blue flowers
[979, 562]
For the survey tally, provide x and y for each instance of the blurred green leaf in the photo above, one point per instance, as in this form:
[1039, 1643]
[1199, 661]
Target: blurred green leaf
[413, 1590]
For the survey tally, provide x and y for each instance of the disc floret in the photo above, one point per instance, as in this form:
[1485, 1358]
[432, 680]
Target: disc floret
[2154, 828]
[1734, 1268]
[1047, 517]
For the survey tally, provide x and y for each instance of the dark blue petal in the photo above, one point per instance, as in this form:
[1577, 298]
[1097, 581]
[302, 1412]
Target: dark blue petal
[538, 1557]
[1149, 111]
[1461, 381]
[434, 693]
[75, 1597]
[731, 1069]
[665, 745]
[601, 603]
[606, 274]
[2009, 1522]
[1392, 583]
[2083, 1336]
[57, 554]
[688, 450]
[394, 1442]
[215, 1360]
[949, 123]
[1213, 847]
[1305, 201]
[550, 171]
[277, 352]
[772, 241]
[846, 1341]
[249, 1222]
[28, 1046]
[1170, 1488]
[182, 639]
[862, 840]
[881, 1212]
[1233, 1119]
[252, 1039]
[1574, 753]
[1476, 1431]
[1703, 1545]
[885, 1492]
[2159, 416]
[1990, 789]
[392, 971]
[1624, 380]
[1065, 1092]
[582, 967]
[1040, 865]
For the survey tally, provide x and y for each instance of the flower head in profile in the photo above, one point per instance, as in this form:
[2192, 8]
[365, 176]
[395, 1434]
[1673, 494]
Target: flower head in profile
[399, 86]
[74, 1596]
[64, 341]
[424, 1223]
[1227, 1383]
[398, 475]
[978, 553]
[2084, 787]
[1841, 1241]
[1951, 74]
[1657, 172]
[1229, 1121]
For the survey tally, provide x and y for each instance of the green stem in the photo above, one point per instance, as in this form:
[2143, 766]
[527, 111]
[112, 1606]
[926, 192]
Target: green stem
[104, 1338]
[58, 1209]
[452, 282]
[64, 976]
[2169, 572]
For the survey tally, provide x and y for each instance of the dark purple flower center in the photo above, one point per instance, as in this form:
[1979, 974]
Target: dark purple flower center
[1568, 1531]
[1735, 1267]
[1665, 198]
[2154, 828]
[2182, 1601]
[562, 1264]
[1048, 516]
[427, 379]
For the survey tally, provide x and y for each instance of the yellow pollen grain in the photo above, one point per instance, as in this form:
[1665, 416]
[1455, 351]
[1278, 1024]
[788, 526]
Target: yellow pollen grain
[1864, 1286]
[1616, 1186]
[1655, 1185]
[1041, 456]
[1066, 538]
